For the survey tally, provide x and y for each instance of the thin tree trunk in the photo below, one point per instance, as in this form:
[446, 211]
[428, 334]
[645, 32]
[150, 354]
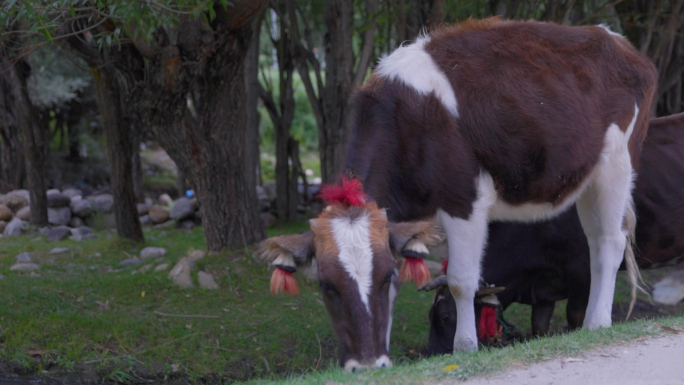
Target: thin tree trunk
[119, 153]
[253, 118]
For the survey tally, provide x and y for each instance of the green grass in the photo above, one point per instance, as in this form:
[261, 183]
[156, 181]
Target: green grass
[87, 314]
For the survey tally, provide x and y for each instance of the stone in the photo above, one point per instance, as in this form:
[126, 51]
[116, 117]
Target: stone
[186, 224]
[197, 255]
[82, 233]
[158, 215]
[131, 262]
[143, 209]
[670, 290]
[24, 267]
[182, 208]
[76, 222]
[145, 220]
[24, 257]
[206, 281]
[72, 192]
[161, 267]
[180, 274]
[57, 200]
[165, 200]
[59, 250]
[268, 219]
[53, 191]
[104, 203]
[3, 224]
[24, 213]
[15, 227]
[2, 276]
[152, 252]
[109, 220]
[59, 216]
[145, 268]
[15, 201]
[57, 233]
[5, 213]
[81, 207]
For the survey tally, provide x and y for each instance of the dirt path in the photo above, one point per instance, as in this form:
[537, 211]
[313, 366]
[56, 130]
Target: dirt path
[652, 361]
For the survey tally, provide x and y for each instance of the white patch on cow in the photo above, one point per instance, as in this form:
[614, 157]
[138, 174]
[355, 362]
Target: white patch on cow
[466, 239]
[352, 238]
[412, 65]
[607, 28]
[284, 259]
[392, 297]
[530, 212]
[417, 246]
[383, 362]
[601, 211]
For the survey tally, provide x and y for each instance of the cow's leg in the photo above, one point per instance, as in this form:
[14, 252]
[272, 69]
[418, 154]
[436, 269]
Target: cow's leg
[601, 209]
[541, 317]
[466, 240]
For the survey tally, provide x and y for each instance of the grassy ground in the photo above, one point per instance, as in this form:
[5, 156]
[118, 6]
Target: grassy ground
[84, 316]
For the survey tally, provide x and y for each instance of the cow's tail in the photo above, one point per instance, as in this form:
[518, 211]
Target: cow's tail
[631, 265]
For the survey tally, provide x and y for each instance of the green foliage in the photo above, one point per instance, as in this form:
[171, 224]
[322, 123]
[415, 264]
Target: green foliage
[56, 78]
[119, 18]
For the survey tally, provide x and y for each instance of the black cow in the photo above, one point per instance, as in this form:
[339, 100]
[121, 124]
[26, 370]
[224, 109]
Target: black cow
[541, 263]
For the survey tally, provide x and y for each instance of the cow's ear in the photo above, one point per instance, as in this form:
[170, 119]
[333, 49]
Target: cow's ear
[411, 241]
[285, 253]
[288, 250]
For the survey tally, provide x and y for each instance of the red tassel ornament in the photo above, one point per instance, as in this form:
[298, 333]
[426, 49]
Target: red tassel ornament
[282, 280]
[445, 264]
[488, 327]
[414, 269]
[349, 193]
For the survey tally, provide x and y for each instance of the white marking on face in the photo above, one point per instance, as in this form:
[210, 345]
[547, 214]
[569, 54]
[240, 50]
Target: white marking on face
[352, 238]
[412, 65]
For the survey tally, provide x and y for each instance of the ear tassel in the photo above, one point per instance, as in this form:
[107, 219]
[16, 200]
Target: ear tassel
[414, 269]
[282, 280]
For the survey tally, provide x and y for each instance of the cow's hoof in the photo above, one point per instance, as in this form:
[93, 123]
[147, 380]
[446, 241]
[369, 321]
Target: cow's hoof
[465, 345]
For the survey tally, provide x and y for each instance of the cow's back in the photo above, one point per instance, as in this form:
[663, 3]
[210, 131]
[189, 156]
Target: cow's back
[532, 105]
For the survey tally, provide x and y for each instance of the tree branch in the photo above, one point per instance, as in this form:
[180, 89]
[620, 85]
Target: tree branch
[368, 40]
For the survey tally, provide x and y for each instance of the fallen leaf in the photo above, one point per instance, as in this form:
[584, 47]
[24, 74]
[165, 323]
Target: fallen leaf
[79, 299]
[450, 368]
[142, 294]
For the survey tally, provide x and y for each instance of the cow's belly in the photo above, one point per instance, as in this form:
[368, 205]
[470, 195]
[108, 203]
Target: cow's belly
[501, 210]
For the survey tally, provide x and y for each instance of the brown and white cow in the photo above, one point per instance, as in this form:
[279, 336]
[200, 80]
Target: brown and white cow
[512, 121]
[355, 249]
[544, 262]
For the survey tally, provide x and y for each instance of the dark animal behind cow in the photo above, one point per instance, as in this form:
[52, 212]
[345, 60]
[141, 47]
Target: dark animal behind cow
[513, 121]
[545, 262]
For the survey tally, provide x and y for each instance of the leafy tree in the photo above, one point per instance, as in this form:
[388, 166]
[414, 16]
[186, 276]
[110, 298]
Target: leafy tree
[176, 68]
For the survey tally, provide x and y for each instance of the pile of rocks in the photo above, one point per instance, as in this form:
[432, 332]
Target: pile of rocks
[72, 214]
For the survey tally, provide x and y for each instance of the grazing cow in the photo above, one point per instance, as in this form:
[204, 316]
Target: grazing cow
[541, 263]
[513, 121]
[354, 246]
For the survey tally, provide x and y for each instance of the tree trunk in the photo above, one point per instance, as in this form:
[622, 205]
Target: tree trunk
[32, 135]
[332, 136]
[136, 165]
[253, 118]
[209, 143]
[12, 160]
[119, 152]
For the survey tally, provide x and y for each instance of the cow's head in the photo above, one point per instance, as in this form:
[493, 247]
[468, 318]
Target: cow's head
[356, 251]
[443, 316]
